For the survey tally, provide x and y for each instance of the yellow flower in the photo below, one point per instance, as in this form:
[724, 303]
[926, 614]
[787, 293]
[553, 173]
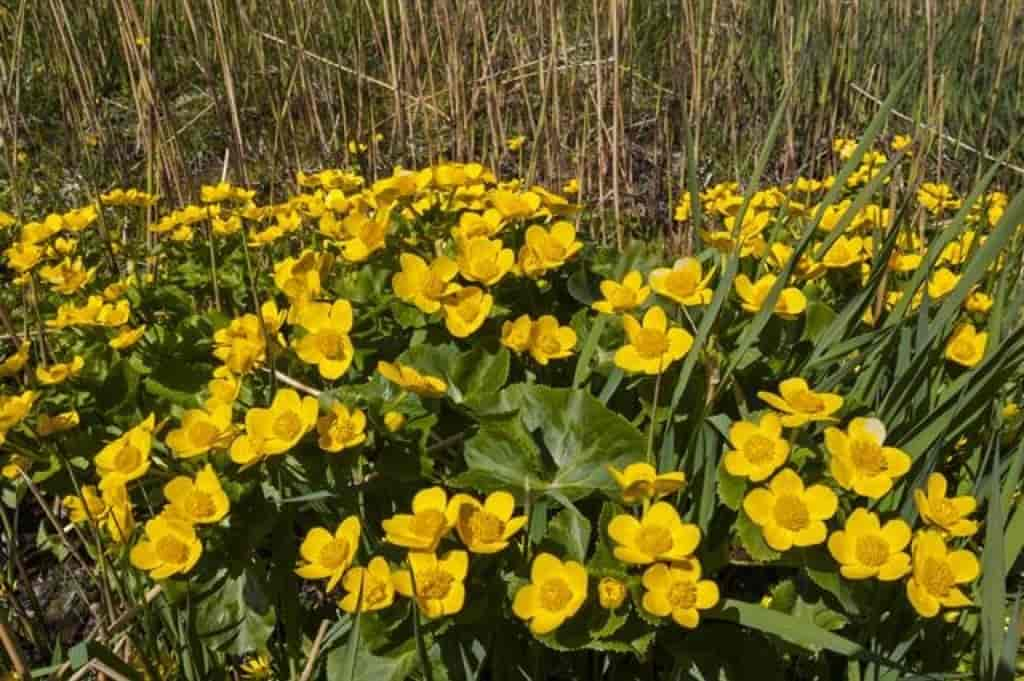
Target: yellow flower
[48, 425]
[341, 429]
[653, 345]
[486, 527]
[301, 278]
[327, 344]
[659, 535]
[394, 421]
[844, 147]
[15, 465]
[275, 430]
[624, 296]
[553, 248]
[515, 206]
[119, 521]
[327, 556]
[241, 344]
[978, 302]
[966, 346]
[224, 387]
[473, 225]
[948, 514]
[201, 501]
[465, 310]
[550, 341]
[436, 584]
[369, 588]
[15, 362]
[90, 506]
[611, 593]
[424, 285]
[23, 256]
[407, 378]
[68, 276]
[790, 514]
[866, 548]
[937, 197]
[6, 220]
[555, 593]
[790, 304]
[937, 572]
[685, 283]
[201, 430]
[684, 208]
[799, 404]
[860, 462]
[126, 458]
[571, 187]
[127, 337]
[515, 143]
[516, 335]
[58, 373]
[942, 283]
[678, 591]
[640, 482]
[257, 668]
[484, 260]
[432, 518]
[170, 547]
[902, 143]
[127, 197]
[14, 408]
[760, 448]
[844, 253]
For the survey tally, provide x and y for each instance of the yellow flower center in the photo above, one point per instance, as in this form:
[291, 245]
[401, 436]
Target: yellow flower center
[622, 298]
[759, 450]
[683, 595]
[943, 512]
[937, 577]
[681, 283]
[334, 554]
[548, 344]
[434, 584]
[791, 513]
[127, 459]
[427, 523]
[331, 344]
[872, 550]
[467, 309]
[555, 594]
[374, 593]
[867, 456]
[651, 342]
[287, 426]
[552, 250]
[654, 540]
[485, 527]
[171, 550]
[806, 401]
[203, 433]
[641, 489]
[962, 349]
[200, 504]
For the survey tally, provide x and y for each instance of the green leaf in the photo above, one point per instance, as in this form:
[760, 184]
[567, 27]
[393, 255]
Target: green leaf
[570, 530]
[752, 539]
[366, 666]
[580, 435]
[791, 628]
[236, 617]
[731, 488]
[468, 374]
[993, 580]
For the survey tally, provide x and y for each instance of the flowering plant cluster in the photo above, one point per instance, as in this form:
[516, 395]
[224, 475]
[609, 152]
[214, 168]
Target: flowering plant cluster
[422, 424]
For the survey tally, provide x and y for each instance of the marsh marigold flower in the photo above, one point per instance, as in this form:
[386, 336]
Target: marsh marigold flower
[515, 335]
[800, 404]
[127, 337]
[789, 513]
[942, 283]
[622, 296]
[659, 535]
[201, 430]
[937, 574]
[867, 548]
[759, 450]
[790, 304]
[424, 285]
[394, 421]
[199, 501]
[641, 482]
[90, 506]
[966, 346]
[937, 197]
[555, 593]
[126, 458]
[486, 527]
[368, 588]
[947, 514]
[611, 593]
[408, 378]
[653, 345]
[275, 430]
[326, 555]
[60, 372]
[341, 428]
[432, 518]
[549, 340]
[14, 408]
[515, 205]
[860, 461]
[170, 547]
[553, 247]
[685, 283]
[435, 583]
[465, 310]
[678, 590]
[485, 261]
[16, 361]
[327, 344]
[844, 253]
[48, 425]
